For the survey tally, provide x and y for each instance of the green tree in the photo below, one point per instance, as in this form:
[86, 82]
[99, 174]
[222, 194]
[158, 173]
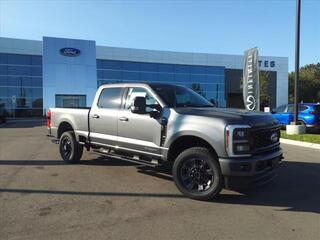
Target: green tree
[309, 83]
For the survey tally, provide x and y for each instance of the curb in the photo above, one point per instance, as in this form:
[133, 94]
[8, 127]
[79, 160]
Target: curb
[300, 143]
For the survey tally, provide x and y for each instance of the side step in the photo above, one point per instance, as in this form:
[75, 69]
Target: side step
[153, 163]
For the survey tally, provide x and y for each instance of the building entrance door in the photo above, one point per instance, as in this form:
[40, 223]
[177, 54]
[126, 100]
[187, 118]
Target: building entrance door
[70, 101]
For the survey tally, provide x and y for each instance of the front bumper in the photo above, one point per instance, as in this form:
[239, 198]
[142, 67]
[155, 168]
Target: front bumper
[253, 171]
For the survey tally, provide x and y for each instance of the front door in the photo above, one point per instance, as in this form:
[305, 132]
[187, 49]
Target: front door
[138, 132]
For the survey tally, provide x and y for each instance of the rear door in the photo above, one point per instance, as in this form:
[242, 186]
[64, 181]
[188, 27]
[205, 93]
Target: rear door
[103, 117]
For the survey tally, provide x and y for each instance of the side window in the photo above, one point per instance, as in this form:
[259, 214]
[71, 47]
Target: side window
[290, 109]
[139, 92]
[281, 109]
[110, 98]
[302, 108]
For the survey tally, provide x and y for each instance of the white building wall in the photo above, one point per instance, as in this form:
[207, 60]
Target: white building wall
[65, 74]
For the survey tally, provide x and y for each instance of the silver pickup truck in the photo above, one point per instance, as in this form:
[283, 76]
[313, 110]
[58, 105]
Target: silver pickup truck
[208, 148]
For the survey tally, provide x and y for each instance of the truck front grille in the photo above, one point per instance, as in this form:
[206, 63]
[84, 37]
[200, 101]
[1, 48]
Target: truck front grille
[264, 138]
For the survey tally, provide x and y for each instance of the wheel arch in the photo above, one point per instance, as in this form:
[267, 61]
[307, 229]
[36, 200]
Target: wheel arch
[183, 142]
[63, 127]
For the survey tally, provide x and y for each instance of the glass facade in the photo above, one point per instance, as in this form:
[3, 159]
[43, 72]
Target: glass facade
[21, 85]
[21, 92]
[206, 80]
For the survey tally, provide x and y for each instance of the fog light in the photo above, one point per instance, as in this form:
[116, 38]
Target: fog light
[242, 147]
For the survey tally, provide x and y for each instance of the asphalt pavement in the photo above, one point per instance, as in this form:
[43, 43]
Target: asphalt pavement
[43, 198]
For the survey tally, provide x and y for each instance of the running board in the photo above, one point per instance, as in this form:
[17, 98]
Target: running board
[128, 159]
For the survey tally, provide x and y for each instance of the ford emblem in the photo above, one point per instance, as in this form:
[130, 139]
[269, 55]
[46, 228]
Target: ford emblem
[274, 137]
[70, 52]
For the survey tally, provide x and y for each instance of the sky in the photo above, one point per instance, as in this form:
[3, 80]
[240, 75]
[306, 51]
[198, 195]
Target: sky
[216, 26]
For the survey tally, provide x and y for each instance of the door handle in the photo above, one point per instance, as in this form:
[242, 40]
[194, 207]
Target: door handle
[95, 116]
[124, 119]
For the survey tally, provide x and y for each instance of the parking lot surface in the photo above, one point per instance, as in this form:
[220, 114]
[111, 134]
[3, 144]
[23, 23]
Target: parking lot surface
[43, 198]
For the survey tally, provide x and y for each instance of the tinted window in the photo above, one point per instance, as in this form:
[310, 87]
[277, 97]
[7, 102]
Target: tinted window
[302, 108]
[179, 96]
[281, 108]
[110, 98]
[139, 92]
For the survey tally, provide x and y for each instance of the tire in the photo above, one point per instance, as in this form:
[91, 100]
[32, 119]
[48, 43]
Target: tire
[197, 166]
[70, 150]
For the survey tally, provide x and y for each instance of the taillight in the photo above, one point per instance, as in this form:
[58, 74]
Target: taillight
[49, 119]
[315, 112]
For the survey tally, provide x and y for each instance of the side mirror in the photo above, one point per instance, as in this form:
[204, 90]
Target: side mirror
[139, 105]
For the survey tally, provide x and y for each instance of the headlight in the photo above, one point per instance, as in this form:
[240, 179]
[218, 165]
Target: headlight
[241, 134]
[238, 140]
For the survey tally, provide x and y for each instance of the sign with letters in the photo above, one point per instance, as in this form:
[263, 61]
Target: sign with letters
[251, 92]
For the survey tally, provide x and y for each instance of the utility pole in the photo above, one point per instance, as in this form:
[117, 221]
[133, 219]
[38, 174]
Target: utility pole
[297, 55]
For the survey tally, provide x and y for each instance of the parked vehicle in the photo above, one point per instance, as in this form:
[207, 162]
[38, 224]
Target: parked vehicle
[309, 115]
[3, 118]
[208, 148]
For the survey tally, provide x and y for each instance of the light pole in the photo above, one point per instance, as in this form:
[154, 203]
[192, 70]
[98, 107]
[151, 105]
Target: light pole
[294, 128]
[297, 53]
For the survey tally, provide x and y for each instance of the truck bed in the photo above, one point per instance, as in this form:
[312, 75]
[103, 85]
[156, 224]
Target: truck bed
[76, 117]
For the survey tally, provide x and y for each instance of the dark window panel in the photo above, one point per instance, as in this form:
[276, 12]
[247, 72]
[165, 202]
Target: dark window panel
[149, 67]
[36, 81]
[36, 71]
[197, 78]
[99, 64]
[213, 78]
[166, 68]
[3, 81]
[36, 60]
[19, 59]
[110, 98]
[148, 76]
[133, 66]
[3, 70]
[182, 78]
[112, 64]
[126, 75]
[3, 92]
[37, 103]
[182, 68]
[214, 70]
[100, 74]
[19, 70]
[166, 77]
[3, 58]
[112, 74]
[198, 69]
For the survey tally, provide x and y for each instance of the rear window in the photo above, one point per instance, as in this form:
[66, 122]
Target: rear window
[110, 98]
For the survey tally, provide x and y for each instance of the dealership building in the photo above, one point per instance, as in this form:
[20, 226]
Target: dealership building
[60, 72]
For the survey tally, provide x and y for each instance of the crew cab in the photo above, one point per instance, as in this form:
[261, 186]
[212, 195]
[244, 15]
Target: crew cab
[208, 148]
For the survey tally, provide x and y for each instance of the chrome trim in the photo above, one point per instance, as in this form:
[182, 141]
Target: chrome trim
[229, 148]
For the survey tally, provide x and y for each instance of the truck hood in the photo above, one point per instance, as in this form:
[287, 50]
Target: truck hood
[232, 115]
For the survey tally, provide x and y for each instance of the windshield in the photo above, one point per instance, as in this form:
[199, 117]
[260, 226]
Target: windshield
[179, 96]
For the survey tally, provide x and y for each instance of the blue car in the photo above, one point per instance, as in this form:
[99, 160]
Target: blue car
[309, 114]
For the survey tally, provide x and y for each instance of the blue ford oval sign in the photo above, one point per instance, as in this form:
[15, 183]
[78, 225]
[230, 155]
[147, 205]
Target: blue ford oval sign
[70, 52]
